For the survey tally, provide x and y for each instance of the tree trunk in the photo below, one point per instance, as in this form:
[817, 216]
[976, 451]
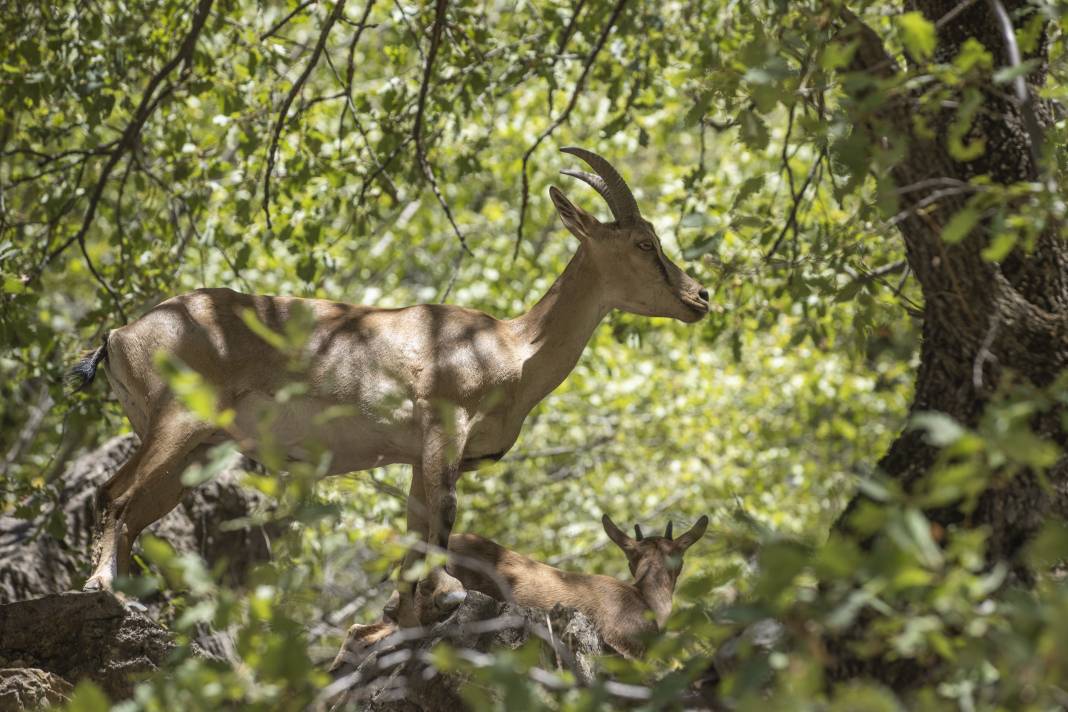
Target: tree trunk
[984, 323]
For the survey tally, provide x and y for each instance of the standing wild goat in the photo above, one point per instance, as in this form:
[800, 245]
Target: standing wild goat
[625, 614]
[438, 387]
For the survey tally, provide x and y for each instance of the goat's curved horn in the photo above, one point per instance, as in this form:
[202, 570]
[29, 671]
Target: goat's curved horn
[612, 187]
[667, 532]
[597, 183]
[637, 532]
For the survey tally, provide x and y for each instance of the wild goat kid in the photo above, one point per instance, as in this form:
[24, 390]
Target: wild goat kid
[625, 614]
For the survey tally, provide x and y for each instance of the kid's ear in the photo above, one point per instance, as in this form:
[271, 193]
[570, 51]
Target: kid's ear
[688, 539]
[614, 533]
[578, 221]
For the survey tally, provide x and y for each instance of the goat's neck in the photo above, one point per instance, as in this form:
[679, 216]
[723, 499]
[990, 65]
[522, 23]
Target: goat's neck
[656, 588]
[553, 334]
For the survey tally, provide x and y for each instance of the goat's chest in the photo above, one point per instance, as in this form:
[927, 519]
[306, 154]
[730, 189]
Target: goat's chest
[495, 425]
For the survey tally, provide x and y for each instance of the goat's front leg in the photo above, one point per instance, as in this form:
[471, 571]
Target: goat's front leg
[431, 515]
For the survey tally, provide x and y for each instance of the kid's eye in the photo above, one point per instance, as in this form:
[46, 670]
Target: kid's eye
[645, 245]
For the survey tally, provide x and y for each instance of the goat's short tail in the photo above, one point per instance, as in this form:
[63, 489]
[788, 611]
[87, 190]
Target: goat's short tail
[81, 375]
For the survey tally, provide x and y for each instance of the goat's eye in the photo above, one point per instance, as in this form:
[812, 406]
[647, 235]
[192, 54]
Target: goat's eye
[645, 245]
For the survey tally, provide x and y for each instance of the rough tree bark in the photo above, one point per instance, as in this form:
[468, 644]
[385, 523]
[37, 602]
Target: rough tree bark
[983, 322]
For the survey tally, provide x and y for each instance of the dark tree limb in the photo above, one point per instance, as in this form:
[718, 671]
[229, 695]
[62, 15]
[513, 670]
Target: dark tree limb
[981, 319]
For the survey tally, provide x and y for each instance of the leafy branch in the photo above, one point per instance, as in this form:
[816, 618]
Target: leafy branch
[150, 101]
[525, 197]
[417, 129]
[317, 52]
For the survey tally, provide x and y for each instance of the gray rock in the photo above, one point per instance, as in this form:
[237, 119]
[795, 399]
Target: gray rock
[30, 688]
[50, 639]
[82, 635]
[395, 675]
[37, 563]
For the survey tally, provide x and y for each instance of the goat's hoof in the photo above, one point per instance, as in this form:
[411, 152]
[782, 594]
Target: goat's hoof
[391, 610]
[132, 604]
[450, 600]
[359, 643]
[94, 584]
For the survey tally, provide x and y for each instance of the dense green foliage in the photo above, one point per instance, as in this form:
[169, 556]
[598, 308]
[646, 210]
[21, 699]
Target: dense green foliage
[735, 126]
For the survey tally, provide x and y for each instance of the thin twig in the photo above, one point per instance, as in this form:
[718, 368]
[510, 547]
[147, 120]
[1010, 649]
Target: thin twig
[349, 106]
[282, 23]
[339, 7]
[794, 208]
[525, 197]
[956, 10]
[983, 355]
[561, 47]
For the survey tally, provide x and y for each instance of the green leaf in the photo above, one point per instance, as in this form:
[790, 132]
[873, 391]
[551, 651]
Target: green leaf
[88, 697]
[942, 430]
[751, 186]
[307, 268]
[973, 55]
[200, 473]
[1050, 547]
[960, 225]
[919, 530]
[12, 285]
[1000, 247]
[836, 55]
[849, 291]
[917, 34]
[1007, 74]
[752, 130]
[261, 330]
[704, 245]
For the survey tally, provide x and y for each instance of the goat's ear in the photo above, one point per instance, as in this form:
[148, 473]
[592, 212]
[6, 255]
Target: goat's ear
[578, 221]
[688, 539]
[616, 534]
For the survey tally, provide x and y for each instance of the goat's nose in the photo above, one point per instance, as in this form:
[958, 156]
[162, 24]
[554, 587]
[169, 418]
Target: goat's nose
[703, 293]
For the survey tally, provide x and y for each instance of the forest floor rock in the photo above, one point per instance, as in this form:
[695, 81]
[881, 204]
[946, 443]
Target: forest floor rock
[74, 636]
[396, 675]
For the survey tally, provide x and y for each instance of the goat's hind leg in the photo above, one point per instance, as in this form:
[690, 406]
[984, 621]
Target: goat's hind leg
[144, 489]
